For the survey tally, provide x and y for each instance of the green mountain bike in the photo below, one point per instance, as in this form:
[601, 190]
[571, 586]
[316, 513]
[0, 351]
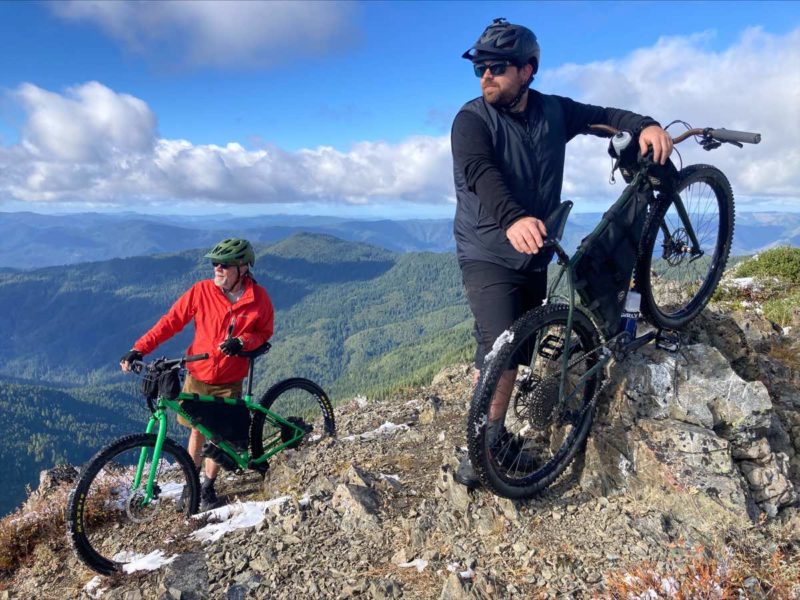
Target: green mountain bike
[534, 404]
[134, 497]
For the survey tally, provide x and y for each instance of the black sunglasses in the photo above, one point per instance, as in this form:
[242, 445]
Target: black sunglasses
[224, 266]
[495, 69]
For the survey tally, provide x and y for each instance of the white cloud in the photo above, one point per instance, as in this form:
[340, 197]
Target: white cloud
[753, 86]
[219, 34]
[92, 144]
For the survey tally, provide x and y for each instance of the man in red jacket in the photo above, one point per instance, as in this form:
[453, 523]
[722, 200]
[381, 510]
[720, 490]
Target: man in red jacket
[231, 299]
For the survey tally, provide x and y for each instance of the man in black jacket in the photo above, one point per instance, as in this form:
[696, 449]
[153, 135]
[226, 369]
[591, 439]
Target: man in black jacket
[508, 160]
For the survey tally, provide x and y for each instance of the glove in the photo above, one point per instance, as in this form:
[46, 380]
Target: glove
[231, 346]
[127, 358]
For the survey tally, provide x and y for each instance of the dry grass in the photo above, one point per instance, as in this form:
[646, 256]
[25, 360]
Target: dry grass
[40, 519]
[745, 567]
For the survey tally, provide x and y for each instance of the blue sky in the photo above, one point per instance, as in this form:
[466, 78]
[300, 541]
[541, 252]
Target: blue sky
[345, 108]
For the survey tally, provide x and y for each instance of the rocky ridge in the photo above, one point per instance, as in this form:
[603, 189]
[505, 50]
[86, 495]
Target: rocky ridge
[694, 457]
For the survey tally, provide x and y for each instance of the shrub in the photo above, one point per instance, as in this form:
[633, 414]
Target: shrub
[782, 262]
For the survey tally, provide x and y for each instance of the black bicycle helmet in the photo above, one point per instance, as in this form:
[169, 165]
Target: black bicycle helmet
[505, 40]
[233, 251]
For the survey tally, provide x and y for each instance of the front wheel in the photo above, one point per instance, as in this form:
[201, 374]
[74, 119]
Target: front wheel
[675, 276]
[299, 401]
[111, 521]
[521, 432]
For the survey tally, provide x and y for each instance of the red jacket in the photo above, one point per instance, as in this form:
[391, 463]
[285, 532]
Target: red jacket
[212, 313]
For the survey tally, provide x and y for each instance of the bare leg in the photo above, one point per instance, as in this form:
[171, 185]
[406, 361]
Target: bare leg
[502, 394]
[195, 446]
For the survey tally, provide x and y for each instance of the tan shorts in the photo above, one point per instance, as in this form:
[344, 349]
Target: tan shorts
[194, 386]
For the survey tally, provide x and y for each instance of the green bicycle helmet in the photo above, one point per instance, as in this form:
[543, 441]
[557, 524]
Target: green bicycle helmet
[233, 251]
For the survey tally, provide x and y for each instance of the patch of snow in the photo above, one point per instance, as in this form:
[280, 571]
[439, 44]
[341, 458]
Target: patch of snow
[480, 425]
[467, 574]
[394, 478]
[93, 589]
[143, 562]
[305, 500]
[743, 282]
[384, 429]
[504, 338]
[418, 563]
[239, 515]
[669, 586]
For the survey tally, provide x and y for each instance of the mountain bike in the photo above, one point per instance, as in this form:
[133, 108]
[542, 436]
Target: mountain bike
[555, 358]
[134, 497]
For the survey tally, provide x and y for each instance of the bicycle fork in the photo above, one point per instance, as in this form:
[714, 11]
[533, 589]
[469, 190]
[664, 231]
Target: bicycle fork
[670, 243]
[156, 457]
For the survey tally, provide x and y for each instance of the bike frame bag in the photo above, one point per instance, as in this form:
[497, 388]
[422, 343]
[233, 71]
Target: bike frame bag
[603, 265]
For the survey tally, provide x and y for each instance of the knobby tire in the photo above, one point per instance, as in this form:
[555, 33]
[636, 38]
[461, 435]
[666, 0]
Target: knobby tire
[105, 525]
[544, 432]
[292, 398]
[674, 287]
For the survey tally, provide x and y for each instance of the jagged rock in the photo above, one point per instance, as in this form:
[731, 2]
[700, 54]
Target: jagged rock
[357, 476]
[186, 578]
[50, 479]
[689, 462]
[454, 589]
[384, 589]
[447, 487]
[606, 467]
[668, 468]
[431, 410]
[357, 504]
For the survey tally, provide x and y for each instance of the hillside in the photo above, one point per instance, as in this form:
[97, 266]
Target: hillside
[29, 240]
[689, 493]
[351, 316]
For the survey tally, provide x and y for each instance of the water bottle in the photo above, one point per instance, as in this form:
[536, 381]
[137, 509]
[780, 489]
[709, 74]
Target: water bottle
[621, 141]
[630, 313]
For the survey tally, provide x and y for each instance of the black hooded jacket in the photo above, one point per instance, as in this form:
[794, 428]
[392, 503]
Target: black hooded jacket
[511, 166]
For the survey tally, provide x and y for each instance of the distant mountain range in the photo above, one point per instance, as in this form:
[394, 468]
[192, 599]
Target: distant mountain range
[30, 240]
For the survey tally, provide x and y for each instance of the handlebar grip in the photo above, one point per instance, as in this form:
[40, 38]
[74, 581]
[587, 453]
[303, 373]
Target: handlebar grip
[195, 357]
[727, 135]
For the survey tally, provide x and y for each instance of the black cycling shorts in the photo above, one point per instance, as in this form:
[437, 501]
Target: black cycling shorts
[498, 296]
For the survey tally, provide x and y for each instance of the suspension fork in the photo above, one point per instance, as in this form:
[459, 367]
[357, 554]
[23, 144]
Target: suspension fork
[687, 226]
[160, 418]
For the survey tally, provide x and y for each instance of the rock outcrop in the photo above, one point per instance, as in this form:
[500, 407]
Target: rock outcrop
[696, 449]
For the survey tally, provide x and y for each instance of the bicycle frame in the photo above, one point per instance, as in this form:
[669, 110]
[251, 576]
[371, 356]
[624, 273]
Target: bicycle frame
[243, 460]
[567, 266]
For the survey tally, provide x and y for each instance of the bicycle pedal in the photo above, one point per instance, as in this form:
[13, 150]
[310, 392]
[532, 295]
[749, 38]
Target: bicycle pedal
[668, 340]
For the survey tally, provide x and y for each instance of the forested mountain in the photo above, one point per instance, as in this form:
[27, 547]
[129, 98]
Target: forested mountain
[29, 240]
[357, 318]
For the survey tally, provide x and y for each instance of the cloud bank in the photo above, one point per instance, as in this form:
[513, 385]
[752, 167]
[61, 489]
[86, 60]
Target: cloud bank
[90, 143]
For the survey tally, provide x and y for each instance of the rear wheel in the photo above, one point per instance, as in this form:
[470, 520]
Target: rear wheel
[299, 401]
[675, 281]
[536, 437]
[109, 521]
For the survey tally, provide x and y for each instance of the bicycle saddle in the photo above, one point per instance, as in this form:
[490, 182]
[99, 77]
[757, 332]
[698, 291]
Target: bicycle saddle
[555, 222]
[256, 352]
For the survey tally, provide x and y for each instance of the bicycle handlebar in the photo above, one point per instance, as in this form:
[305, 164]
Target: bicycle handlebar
[164, 364]
[720, 135]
